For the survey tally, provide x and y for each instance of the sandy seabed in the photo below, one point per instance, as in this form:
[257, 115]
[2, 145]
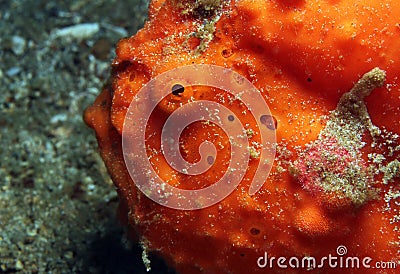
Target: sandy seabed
[57, 202]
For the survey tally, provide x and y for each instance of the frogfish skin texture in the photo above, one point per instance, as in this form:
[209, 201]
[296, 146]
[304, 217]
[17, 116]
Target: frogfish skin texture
[329, 71]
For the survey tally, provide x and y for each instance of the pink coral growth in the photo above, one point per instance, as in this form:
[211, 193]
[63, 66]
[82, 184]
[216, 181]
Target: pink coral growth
[322, 162]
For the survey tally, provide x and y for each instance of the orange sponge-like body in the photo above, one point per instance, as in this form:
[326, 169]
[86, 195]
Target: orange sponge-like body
[335, 180]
